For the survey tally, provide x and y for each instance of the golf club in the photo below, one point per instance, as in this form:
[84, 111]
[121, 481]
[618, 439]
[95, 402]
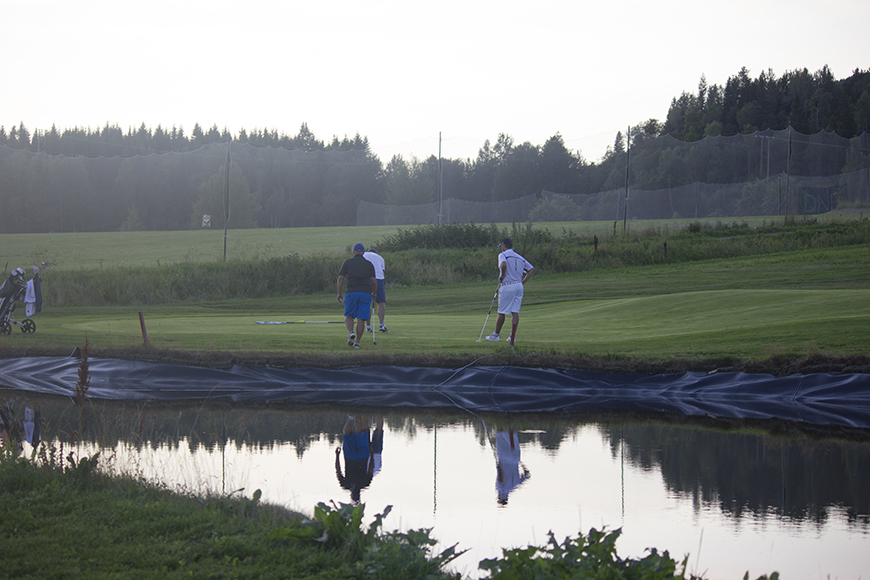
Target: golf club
[300, 322]
[488, 313]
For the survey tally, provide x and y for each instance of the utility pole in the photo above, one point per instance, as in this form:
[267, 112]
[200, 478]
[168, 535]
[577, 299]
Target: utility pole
[440, 183]
[627, 165]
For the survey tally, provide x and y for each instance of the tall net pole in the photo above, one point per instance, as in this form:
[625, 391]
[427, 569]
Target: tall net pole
[440, 182]
[627, 165]
[227, 197]
[788, 174]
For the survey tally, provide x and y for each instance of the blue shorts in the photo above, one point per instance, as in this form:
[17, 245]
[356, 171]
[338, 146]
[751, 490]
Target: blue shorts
[358, 305]
[381, 295]
[356, 445]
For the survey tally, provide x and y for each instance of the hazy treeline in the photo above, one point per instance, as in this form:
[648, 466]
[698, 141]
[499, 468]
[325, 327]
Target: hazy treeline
[142, 179]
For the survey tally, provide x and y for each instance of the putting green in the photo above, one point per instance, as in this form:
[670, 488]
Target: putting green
[708, 323]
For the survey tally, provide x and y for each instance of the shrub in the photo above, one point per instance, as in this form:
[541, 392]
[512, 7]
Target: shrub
[587, 557]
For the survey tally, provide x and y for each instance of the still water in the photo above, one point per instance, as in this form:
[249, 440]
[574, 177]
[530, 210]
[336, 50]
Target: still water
[733, 500]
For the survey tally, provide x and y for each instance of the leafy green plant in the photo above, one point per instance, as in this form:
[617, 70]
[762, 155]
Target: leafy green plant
[374, 555]
[590, 556]
[587, 557]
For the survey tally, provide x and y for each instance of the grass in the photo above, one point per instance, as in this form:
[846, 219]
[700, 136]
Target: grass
[798, 304]
[101, 527]
[770, 305]
[88, 250]
[106, 527]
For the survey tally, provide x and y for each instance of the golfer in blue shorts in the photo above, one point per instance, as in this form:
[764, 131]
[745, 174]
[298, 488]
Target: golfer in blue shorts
[514, 272]
[361, 288]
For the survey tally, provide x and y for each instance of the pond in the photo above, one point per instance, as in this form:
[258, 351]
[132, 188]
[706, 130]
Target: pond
[733, 496]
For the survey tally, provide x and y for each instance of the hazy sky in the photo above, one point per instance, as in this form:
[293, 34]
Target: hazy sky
[399, 71]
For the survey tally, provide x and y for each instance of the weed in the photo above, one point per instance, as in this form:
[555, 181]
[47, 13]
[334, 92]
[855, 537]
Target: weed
[82, 386]
[376, 555]
[592, 556]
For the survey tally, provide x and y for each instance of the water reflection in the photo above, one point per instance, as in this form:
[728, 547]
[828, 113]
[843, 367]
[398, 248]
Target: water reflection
[15, 431]
[736, 499]
[510, 471]
[748, 475]
[362, 451]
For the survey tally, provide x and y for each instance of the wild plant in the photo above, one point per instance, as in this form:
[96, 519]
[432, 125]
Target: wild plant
[82, 386]
[376, 555]
[592, 556]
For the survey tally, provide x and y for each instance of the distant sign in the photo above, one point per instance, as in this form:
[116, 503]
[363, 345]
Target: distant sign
[206, 220]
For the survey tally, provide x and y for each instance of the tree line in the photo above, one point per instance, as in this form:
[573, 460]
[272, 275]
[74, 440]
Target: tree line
[107, 179]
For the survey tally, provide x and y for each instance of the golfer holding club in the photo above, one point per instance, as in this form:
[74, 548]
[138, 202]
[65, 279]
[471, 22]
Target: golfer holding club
[361, 288]
[514, 272]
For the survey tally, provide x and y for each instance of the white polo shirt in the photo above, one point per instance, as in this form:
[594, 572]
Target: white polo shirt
[516, 266]
[378, 262]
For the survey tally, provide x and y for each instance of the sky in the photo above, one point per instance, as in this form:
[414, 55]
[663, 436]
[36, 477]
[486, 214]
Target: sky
[400, 72]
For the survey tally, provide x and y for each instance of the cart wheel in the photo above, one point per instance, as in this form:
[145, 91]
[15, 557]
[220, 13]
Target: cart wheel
[27, 325]
[6, 328]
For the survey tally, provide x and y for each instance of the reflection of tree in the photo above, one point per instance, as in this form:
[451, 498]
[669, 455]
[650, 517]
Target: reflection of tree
[800, 478]
[796, 478]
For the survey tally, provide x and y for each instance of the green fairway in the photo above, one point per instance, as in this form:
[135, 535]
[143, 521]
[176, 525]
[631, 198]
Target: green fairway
[800, 303]
[721, 323]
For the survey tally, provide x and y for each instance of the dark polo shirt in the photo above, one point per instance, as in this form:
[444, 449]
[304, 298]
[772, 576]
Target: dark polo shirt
[359, 273]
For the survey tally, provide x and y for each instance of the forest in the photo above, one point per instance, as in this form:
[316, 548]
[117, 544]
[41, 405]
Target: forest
[800, 124]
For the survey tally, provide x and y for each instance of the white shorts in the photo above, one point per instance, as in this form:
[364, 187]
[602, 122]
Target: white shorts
[510, 298]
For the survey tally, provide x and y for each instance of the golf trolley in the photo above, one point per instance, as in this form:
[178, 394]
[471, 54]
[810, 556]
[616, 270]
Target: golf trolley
[12, 290]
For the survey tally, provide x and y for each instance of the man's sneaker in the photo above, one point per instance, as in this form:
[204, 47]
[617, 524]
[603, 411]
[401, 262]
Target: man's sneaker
[356, 345]
[383, 328]
[494, 337]
[350, 339]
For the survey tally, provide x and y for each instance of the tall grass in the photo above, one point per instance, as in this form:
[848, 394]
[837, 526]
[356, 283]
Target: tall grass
[418, 260]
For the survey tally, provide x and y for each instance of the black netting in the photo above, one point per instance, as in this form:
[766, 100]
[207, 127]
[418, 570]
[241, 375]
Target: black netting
[759, 174]
[820, 399]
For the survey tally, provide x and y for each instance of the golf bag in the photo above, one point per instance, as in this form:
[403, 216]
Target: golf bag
[12, 290]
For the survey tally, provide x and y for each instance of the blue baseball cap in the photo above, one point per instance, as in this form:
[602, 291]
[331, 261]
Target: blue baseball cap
[359, 248]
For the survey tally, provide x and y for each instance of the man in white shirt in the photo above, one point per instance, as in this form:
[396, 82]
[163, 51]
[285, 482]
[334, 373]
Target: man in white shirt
[380, 296]
[514, 272]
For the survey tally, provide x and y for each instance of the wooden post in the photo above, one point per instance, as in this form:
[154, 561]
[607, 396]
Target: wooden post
[142, 324]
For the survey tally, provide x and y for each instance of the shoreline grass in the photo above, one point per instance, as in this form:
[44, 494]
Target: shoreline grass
[118, 526]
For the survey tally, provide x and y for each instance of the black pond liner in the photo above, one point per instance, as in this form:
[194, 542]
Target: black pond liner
[818, 399]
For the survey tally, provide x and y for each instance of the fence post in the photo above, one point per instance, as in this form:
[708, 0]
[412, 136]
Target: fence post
[142, 324]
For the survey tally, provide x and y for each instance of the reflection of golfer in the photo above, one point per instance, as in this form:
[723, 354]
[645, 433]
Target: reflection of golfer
[361, 287]
[377, 444]
[14, 432]
[514, 272]
[510, 471]
[31, 426]
[358, 458]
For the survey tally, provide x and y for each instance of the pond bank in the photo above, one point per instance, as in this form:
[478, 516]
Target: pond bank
[777, 365]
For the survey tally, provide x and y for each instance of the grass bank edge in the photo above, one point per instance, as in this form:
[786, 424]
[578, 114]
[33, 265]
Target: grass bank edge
[124, 525]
